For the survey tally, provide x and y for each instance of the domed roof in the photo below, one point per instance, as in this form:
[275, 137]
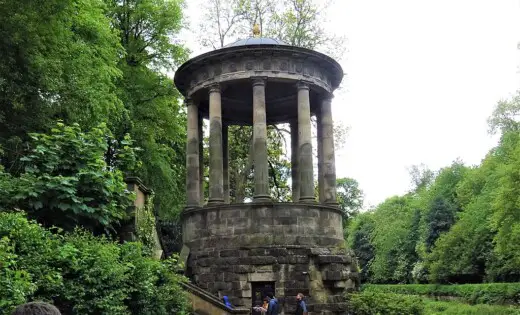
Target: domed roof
[256, 41]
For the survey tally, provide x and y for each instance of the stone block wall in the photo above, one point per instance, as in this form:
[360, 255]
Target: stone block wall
[298, 247]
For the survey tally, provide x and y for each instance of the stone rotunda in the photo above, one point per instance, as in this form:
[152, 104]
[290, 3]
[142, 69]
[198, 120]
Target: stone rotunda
[243, 250]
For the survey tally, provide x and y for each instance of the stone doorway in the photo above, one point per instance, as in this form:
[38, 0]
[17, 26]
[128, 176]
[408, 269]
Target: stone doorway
[260, 290]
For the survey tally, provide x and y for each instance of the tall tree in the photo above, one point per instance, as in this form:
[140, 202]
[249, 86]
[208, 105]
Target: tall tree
[506, 115]
[361, 229]
[350, 197]
[148, 29]
[59, 60]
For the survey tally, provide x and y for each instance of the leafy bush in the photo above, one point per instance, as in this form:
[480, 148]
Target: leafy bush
[68, 182]
[486, 293]
[81, 273]
[15, 285]
[372, 303]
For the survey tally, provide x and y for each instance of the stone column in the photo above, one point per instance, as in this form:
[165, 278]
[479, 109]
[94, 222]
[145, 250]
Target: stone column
[305, 144]
[295, 175]
[261, 170]
[225, 159]
[216, 179]
[319, 141]
[328, 160]
[201, 158]
[192, 156]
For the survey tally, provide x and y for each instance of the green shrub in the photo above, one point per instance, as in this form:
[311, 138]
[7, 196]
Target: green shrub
[485, 293]
[372, 303]
[81, 273]
[15, 285]
[67, 181]
[457, 308]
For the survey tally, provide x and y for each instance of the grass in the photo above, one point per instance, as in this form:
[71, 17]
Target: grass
[457, 308]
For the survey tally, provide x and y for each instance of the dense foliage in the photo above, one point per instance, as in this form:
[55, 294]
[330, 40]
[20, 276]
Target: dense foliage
[370, 303]
[375, 302]
[91, 62]
[66, 181]
[460, 226]
[482, 293]
[82, 274]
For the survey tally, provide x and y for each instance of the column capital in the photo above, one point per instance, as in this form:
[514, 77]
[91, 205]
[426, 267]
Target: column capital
[214, 88]
[258, 81]
[189, 101]
[327, 97]
[303, 85]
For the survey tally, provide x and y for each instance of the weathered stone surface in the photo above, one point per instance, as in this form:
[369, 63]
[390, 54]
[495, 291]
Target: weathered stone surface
[334, 275]
[261, 169]
[192, 156]
[295, 160]
[225, 163]
[329, 259]
[328, 164]
[305, 165]
[216, 179]
[297, 246]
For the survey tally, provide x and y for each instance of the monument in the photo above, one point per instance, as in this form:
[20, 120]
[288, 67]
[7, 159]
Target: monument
[244, 250]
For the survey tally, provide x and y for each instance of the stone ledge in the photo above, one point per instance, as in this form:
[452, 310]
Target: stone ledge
[255, 205]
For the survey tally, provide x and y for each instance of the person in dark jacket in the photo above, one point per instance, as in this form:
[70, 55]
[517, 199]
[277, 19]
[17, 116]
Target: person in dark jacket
[36, 308]
[301, 307]
[273, 308]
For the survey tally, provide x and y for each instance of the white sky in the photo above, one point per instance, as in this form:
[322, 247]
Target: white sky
[422, 78]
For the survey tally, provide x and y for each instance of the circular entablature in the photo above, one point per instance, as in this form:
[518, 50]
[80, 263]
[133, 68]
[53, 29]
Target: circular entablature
[281, 66]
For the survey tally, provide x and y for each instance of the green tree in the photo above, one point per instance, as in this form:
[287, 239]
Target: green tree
[394, 222]
[505, 221]
[439, 206]
[155, 117]
[505, 115]
[59, 60]
[350, 197]
[361, 229]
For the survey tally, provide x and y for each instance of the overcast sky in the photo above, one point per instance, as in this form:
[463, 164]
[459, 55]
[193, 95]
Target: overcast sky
[422, 78]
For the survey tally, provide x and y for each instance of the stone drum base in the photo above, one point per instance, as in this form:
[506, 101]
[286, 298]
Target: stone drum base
[242, 250]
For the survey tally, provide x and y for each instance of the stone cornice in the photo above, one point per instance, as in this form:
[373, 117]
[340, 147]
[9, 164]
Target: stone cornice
[281, 62]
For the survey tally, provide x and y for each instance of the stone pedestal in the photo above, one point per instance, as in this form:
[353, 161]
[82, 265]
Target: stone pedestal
[298, 247]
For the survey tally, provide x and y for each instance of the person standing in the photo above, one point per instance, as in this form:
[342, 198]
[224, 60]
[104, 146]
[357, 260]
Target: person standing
[273, 307]
[301, 307]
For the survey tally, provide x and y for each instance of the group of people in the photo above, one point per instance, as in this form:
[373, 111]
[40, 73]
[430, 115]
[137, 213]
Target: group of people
[271, 306]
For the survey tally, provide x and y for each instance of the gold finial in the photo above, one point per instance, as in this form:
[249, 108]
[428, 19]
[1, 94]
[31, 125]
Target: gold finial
[256, 30]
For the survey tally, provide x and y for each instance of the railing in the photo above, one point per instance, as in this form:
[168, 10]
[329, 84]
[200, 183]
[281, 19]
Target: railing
[206, 303]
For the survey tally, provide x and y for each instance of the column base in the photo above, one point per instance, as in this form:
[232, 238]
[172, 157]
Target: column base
[331, 204]
[215, 201]
[307, 199]
[262, 198]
